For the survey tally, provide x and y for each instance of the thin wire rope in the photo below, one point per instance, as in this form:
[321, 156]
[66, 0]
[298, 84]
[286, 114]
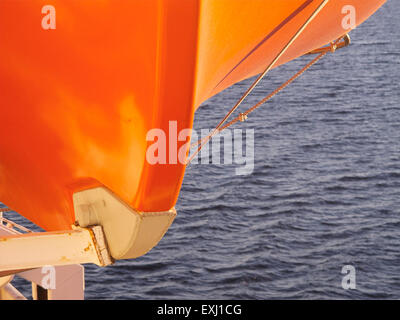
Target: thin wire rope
[259, 78]
[243, 116]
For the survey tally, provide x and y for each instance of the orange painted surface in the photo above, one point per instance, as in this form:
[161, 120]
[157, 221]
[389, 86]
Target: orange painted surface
[77, 102]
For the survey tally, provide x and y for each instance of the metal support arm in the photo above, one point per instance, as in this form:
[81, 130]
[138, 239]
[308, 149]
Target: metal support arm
[33, 250]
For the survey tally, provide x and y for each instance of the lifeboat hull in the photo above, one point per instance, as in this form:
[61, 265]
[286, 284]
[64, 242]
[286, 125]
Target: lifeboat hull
[78, 101]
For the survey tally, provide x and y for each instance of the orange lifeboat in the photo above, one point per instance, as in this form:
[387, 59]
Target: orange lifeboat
[78, 100]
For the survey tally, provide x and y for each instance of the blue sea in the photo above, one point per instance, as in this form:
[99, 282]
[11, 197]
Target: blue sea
[324, 192]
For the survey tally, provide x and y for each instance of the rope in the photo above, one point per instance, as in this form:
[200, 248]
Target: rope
[243, 116]
[202, 142]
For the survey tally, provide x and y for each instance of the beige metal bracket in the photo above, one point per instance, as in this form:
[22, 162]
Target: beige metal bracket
[67, 281]
[33, 250]
[129, 233]
[107, 229]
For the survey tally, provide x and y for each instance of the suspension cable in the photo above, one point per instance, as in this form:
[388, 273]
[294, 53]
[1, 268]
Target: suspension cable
[202, 142]
[243, 116]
